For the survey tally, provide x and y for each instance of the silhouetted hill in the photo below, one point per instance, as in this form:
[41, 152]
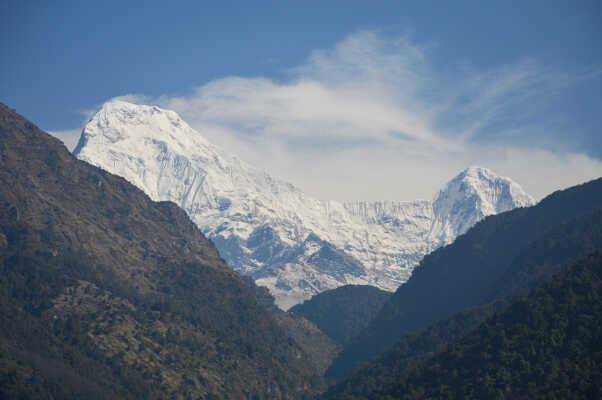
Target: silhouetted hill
[106, 294]
[343, 312]
[535, 264]
[466, 273]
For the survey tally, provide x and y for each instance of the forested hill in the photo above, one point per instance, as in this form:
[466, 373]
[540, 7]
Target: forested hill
[545, 346]
[343, 312]
[107, 294]
[534, 265]
[465, 273]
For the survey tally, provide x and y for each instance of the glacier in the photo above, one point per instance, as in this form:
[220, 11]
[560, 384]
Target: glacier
[268, 229]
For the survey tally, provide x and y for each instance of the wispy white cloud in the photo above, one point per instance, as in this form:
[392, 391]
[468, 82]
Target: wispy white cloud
[373, 118]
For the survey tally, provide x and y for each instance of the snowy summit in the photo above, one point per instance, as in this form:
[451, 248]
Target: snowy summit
[269, 229]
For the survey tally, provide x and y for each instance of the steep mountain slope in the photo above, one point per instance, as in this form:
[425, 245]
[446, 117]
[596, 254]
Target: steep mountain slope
[268, 229]
[544, 346]
[534, 265]
[99, 284]
[467, 273]
[344, 312]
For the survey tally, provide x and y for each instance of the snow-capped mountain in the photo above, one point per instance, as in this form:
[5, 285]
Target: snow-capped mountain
[293, 244]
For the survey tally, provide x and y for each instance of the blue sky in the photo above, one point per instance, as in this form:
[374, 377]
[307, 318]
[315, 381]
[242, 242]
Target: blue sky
[374, 100]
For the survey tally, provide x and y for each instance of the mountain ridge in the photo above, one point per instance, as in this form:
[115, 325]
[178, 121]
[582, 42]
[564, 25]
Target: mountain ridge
[233, 203]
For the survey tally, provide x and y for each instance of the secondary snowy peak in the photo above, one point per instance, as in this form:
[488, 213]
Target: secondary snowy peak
[469, 197]
[492, 192]
[266, 228]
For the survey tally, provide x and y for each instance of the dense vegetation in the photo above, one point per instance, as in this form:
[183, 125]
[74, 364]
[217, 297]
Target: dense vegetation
[106, 294]
[466, 273]
[545, 346]
[535, 264]
[343, 312]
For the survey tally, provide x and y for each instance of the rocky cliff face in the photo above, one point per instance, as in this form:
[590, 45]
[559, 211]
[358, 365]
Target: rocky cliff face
[269, 229]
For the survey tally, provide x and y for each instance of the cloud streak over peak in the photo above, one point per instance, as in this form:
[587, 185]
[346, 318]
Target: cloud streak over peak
[375, 118]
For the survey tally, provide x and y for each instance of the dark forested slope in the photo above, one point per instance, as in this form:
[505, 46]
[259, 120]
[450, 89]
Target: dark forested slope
[343, 312]
[106, 294]
[534, 265]
[545, 346]
[466, 273]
